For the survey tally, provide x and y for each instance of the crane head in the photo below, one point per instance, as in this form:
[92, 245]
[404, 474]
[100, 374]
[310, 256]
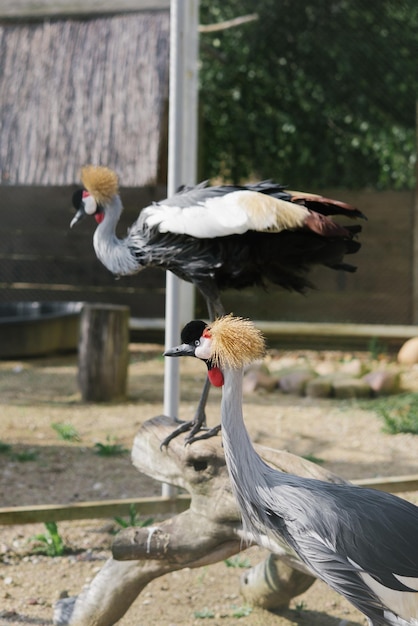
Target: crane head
[228, 342]
[85, 204]
[100, 185]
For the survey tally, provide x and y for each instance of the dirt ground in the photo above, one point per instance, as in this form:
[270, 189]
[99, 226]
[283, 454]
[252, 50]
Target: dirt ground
[41, 468]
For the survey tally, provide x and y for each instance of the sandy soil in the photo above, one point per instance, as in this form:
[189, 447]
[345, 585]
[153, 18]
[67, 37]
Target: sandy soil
[35, 394]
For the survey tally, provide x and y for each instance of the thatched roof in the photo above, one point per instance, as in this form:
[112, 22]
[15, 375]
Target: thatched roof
[35, 9]
[76, 91]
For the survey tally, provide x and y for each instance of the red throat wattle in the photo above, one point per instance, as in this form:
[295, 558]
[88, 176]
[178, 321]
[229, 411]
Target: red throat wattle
[216, 377]
[99, 217]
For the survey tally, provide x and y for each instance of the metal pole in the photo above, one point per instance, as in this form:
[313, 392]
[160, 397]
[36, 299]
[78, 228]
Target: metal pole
[414, 259]
[189, 143]
[182, 160]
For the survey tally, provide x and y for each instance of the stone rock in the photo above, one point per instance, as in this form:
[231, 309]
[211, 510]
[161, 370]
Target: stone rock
[325, 368]
[408, 354]
[258, 378]
[383, 382]
[353, 367]
[346, 388]
[320, 387]
[295, 382]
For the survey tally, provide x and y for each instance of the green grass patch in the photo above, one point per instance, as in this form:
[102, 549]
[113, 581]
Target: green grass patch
[398, 413]
[313, 459]
[49, 543]
[376, 348]
[67, 432]
[110, 448]
[237, 561]
[133, 519]
[241, 611]
[25, 455]
[301, 606]
[204, 614]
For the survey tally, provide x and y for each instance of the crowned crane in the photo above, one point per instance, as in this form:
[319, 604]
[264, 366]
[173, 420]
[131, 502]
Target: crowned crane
[363, 543]
[220, 237]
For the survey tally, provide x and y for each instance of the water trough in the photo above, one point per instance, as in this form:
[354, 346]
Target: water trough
[29, 329]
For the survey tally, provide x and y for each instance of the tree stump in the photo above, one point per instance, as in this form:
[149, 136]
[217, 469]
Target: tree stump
[103, 352]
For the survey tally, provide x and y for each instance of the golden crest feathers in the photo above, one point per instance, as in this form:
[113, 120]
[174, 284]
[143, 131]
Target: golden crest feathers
[101, 182]
[236, 342]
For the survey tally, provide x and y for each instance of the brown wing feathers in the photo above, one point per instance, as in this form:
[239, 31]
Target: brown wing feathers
[322, 225]
[320, 207]
[326, 206]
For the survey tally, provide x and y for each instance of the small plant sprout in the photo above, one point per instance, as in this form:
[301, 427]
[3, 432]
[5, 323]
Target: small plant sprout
[204, 614]
[50, 542]
[202, 575]
[67, 432]
[376, 348]
[237, 561]
[313, 459]
[134, 519]
[110, 448]
[25, 455]
[241, 611]
[4, 447]
[300, 606]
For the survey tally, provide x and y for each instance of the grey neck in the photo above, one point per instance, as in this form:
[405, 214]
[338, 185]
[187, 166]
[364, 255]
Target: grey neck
[246, 469]
[114, 253]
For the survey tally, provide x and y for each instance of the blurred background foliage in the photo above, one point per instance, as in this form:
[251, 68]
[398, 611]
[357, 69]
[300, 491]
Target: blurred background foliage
[313, 93]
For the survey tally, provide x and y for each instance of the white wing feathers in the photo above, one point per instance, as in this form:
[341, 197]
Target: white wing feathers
[231, 214]
[401, 603]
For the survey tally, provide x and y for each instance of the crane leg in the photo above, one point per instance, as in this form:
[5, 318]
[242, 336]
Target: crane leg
[215, 309]
[196, 424]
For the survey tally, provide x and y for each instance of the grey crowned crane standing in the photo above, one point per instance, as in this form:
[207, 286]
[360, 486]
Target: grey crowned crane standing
[220, 237]
[363, 543]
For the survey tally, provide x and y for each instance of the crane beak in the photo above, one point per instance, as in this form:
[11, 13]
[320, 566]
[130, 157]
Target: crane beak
[78, 216]
[185, 349]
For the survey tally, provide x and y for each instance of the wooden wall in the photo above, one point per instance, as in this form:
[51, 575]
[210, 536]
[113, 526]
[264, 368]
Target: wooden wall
[379, 292]
[42, 259]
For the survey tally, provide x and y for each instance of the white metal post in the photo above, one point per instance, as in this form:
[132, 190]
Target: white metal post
[182, 165]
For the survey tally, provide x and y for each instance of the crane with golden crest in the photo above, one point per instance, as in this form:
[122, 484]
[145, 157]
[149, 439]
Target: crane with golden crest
[362, 542]
[220, 237]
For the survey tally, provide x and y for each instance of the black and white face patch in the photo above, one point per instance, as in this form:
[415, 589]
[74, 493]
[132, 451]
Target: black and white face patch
[90, 204]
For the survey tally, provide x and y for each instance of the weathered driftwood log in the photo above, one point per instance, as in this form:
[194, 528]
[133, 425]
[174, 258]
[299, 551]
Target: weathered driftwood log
[272, 583]
[209, 531]
[103, 352]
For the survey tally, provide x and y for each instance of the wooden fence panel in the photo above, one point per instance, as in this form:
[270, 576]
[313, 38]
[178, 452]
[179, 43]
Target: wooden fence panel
[42, 259]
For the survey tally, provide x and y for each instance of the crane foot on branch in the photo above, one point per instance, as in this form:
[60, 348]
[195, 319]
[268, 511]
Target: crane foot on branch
[195, 426]
[206, 434]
